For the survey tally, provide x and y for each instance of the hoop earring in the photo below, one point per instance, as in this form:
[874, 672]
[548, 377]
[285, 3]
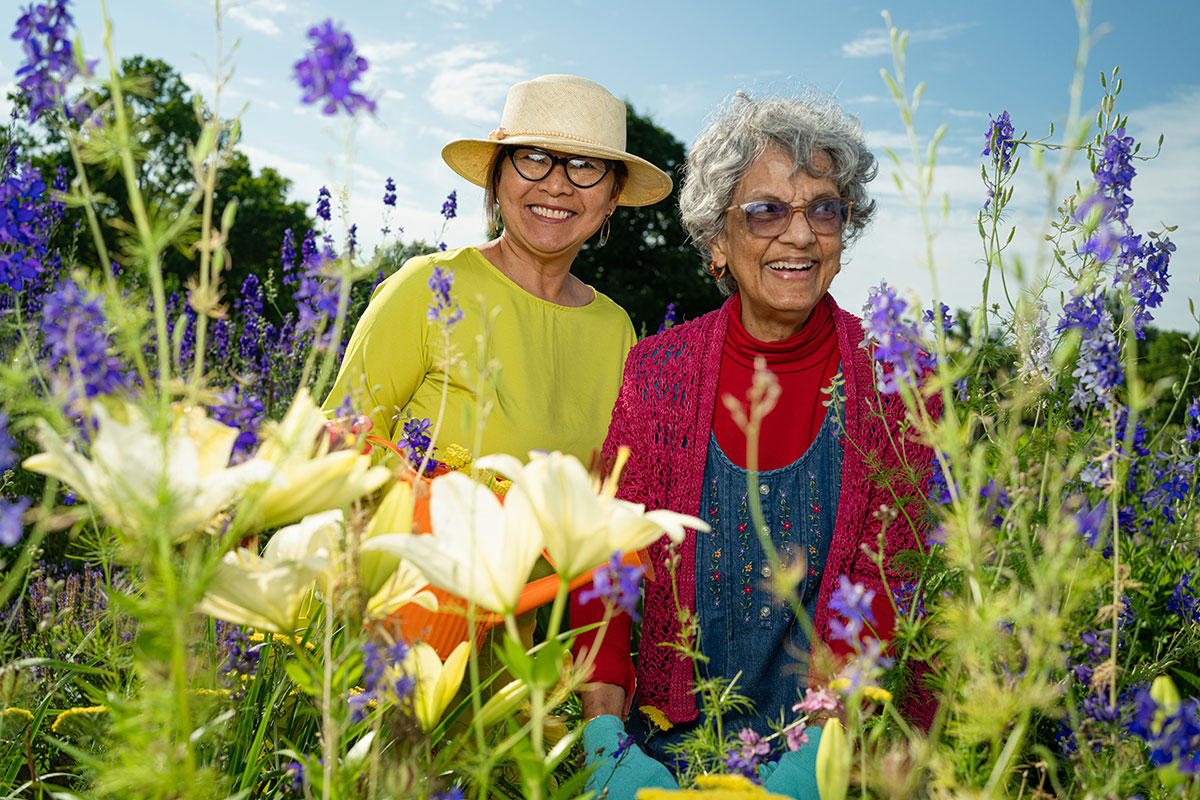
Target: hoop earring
[718, 273]
[605, 230]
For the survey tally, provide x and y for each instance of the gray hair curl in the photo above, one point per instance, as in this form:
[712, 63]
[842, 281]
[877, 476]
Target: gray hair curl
[743, 131]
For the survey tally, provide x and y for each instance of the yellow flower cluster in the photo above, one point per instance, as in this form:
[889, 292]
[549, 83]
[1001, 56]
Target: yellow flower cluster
[878, 693]
[656, 717]
[78, 711]
[457, 457]
[714, 787]
[258, 638]
[22, 713]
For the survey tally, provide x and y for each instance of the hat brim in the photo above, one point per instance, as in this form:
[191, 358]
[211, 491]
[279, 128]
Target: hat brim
[645, 184]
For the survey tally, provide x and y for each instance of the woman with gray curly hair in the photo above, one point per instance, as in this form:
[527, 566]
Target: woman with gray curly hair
[773, 192]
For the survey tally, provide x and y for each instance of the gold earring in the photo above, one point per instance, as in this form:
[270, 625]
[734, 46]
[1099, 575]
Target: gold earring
[605, 229]
[718, 273]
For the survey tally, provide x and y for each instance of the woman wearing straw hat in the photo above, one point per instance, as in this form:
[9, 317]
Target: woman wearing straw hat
[553, 172]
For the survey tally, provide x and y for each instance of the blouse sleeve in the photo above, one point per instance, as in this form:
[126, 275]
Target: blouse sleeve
[387, 357]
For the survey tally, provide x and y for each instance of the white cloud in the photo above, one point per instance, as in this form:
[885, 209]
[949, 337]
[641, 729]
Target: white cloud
[877, 42]
[476, 91]
[380, 53]
[460, 6]
[259, 15]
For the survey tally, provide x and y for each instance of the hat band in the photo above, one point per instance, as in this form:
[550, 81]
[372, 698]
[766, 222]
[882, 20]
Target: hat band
[500, 134]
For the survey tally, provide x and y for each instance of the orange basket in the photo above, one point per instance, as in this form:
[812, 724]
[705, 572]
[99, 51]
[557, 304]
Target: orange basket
[446, 628]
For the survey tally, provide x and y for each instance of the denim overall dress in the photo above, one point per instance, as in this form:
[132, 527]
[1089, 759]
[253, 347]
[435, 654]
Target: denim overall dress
[743, 628]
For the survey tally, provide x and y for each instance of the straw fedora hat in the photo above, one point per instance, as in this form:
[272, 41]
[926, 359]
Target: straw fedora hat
[567, 113]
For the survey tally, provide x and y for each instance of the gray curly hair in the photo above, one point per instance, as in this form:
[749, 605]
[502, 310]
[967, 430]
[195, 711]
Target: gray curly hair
[738, 135]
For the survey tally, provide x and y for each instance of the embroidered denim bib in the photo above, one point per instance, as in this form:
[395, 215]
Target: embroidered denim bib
[743, 628]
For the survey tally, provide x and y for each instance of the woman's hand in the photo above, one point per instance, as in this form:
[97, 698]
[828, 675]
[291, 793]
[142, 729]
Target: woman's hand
[617, 763]
[602, 699]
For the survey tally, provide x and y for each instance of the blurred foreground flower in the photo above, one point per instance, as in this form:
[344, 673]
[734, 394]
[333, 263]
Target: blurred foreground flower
[714, 787]
[436, 682]
[310, 478]
[582, 523]
[328, 72]
[142, 481]
[833, 762]
[480, 550]
[267, 592]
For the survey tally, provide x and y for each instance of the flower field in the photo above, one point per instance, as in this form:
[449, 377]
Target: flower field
[204, 581]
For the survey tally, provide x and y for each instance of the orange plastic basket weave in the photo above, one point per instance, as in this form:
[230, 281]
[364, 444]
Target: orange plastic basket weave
[446, 628]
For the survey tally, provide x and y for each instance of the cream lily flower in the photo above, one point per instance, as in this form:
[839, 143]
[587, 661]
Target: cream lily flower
[267, 592]
[434, 683]
[310, 478]
[582, 523]
[388, 581]
[141, 480]
[479, 549]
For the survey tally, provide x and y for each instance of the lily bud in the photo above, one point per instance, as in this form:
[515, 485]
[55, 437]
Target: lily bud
[833, 762]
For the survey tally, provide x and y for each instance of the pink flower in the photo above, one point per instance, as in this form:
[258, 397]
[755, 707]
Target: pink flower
[752, 744]
[796, 738]
[817, 700]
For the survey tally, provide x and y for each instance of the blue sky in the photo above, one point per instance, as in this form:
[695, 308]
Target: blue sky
[440, 70]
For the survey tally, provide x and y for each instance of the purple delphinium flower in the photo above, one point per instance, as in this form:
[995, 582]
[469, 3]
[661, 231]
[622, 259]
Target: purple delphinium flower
[317, 294]
[738, 764]
[999, 144]
[455, 793]
[242, 410]
[624, 742]
[616, 584]
[414, 438]
[323, 204]
[1037, 355]
[75, 332]
[294, 772]
[1090, 521]
[389, 193]
[328, 71]
[1172, 738]
[27, 218]
[450, 207]
[376, 687]
[899, 359]
[853, 602]
[442, 309]
[242, 659]
[669, 319]
[287, 256]
[7, 454]
[1143, 267]
[1114, 173]
[997, 498]
[352, 240]
[44, 33]
[11, 527]
[249, 306]
[1098, 371]
[908, 601]
[1183, 600]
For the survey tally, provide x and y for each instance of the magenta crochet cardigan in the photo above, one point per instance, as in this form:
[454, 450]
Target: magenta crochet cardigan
[664, 414]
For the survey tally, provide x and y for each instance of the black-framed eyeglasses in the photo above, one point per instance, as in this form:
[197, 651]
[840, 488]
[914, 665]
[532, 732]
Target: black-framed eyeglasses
[766, 218]
[534, 163]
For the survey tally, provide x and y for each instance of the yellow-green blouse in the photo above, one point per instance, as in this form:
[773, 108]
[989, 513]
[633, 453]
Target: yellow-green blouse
[559, 367]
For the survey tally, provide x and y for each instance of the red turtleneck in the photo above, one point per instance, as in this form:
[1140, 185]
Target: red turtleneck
[804, 363]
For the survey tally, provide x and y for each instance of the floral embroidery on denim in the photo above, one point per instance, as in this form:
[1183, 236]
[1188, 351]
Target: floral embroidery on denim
[744, 548]
[714, 583]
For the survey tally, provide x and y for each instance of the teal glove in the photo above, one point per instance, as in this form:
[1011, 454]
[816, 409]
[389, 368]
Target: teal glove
[624, 775]
[795, 774]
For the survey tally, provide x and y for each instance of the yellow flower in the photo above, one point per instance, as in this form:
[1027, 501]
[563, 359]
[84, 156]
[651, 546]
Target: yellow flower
[839, 684]
[142, 479]
[13, 712]
[479, 549]
[85, 711]
[456, 457]
[434, 682]
[582, 523]
[309, 479]
[713, 787]
[657, 717]
[202, 692]
[878, 693]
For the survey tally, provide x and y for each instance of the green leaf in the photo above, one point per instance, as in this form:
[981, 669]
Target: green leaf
[547, 663]
[304, 677]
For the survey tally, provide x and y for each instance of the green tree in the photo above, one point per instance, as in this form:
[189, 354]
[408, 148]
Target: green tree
[647, 261]
[166, 120]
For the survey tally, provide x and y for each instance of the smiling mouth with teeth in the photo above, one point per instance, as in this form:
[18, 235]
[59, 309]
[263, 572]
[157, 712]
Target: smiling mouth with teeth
[790, 266]
[552, 213]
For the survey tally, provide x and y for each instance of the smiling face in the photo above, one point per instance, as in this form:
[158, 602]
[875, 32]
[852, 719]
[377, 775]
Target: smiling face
[550, 219]
[780, 278]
